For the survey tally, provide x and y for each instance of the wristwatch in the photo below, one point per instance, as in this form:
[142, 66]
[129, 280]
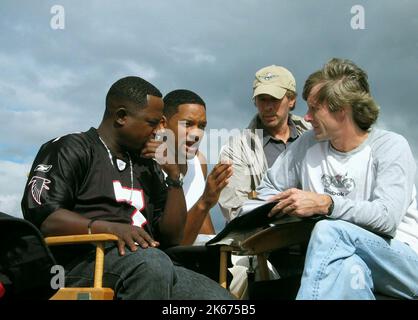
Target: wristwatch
[331, 207]
[174, 183]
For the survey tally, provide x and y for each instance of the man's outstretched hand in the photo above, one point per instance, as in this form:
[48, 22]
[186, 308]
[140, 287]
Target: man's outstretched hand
[215, 182]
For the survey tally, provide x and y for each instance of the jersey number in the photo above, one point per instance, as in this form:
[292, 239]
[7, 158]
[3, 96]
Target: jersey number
[135, 197]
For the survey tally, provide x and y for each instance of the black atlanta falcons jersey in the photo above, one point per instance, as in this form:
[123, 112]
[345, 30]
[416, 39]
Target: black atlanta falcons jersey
[77, 172]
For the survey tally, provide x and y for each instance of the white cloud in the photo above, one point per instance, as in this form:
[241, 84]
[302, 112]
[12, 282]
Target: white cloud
[28, 127]
[32, 107]
[13, 179]
[193, 55]
[24, 69]
[145, 71]
[199, 57]
[10, 204]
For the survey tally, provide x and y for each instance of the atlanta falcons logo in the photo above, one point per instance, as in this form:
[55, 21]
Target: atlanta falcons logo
[38, 185]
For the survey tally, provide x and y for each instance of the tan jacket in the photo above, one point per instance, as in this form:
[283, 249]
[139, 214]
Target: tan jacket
[249, 164]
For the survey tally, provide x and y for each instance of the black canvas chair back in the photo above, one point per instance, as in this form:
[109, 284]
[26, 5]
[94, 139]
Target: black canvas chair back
[25, 260]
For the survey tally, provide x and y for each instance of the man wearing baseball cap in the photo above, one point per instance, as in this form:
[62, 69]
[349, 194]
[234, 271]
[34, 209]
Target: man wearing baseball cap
[269, 133]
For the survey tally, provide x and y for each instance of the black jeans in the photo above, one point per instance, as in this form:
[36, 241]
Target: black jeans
[201, 259]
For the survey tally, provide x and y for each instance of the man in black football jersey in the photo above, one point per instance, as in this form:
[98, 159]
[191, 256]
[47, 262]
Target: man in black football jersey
[96, 182]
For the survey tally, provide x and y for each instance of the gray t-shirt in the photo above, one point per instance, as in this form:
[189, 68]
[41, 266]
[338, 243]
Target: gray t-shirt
[372, 185]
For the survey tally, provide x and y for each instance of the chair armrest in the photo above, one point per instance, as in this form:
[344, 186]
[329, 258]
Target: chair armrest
[98, 239]
[279, 236]
[82, 238]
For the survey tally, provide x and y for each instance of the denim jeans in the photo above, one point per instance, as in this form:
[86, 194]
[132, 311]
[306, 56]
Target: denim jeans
[345, 261]
[146, 274]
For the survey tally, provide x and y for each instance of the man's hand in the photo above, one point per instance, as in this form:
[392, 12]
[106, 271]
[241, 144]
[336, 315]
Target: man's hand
[300, 203]
[215, 182]
[130, 236]
[150, 148]
[164, 154]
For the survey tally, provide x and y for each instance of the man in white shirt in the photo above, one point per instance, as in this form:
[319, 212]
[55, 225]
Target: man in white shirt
[184, 122]
[185, 115]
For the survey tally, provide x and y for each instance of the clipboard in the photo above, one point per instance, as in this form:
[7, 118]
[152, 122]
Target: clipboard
[248, 224]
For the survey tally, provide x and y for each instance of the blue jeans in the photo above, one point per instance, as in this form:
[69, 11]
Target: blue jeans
[145, 274]
[345, 261]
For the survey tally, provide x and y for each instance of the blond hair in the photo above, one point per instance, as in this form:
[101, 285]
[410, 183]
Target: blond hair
[344, 84]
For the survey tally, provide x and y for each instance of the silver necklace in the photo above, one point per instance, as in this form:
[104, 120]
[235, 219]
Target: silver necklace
[130, 165]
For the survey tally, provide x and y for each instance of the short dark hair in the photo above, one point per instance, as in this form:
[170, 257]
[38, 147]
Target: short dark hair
[131, 88]
[177, 97]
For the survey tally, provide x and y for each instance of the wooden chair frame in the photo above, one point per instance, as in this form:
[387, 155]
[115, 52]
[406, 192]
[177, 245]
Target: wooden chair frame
[261, 243]
[97, 292]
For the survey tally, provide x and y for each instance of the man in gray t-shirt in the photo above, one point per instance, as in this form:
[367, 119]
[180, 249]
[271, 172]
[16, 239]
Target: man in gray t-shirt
[361, 180]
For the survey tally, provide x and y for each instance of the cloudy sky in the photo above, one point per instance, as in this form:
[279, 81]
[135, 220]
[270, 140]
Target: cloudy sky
[53, 81]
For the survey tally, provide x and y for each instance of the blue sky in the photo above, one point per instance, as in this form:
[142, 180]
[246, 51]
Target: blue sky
[53, 82]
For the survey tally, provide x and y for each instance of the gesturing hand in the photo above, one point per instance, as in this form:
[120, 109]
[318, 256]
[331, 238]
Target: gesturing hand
[300, 203]
[215, 182]
[131, 236]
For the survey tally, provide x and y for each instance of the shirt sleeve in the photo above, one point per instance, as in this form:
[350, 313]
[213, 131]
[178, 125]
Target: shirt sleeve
[245, 152]
[236, 191]
[285, 171]
[55, 178]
